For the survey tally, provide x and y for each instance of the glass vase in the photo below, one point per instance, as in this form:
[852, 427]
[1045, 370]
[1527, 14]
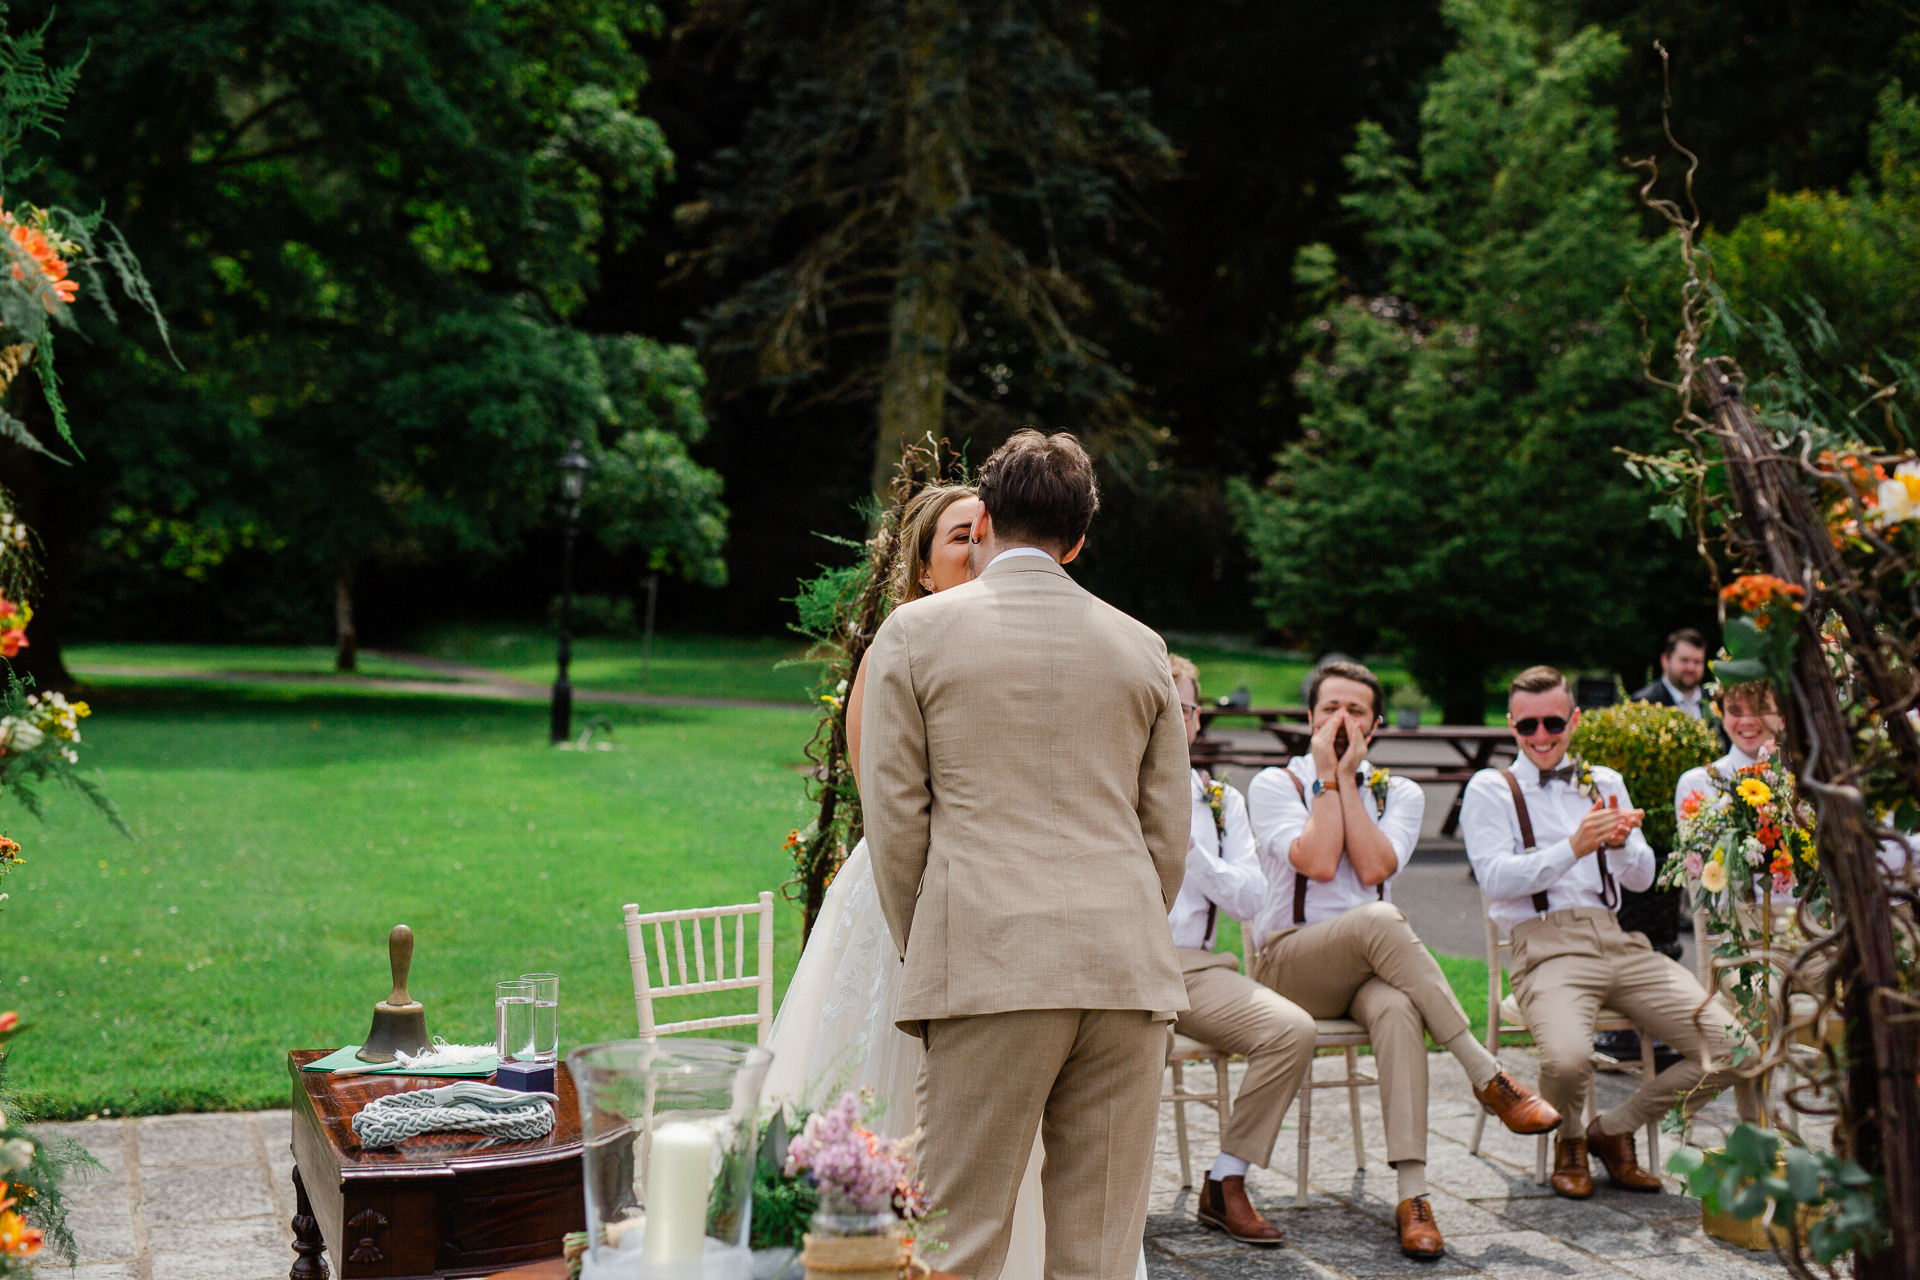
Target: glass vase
[669, 1129]
[851, 1245]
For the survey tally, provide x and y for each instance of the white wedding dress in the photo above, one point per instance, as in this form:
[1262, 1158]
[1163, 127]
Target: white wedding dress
[835, 1032]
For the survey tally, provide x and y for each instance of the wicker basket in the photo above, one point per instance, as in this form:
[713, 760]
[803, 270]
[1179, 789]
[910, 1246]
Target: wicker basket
[887, 1257]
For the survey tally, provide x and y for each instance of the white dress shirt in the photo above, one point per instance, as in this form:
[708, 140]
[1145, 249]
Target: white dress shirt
[1279, 818]
[1017, 551]
[1687, 703]
[1223, 871]
[1510, 875]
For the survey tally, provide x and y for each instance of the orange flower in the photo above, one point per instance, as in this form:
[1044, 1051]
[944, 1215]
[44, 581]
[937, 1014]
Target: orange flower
[1768, 835]
[45, 258]
[1755, 591]
[1691, 805]
[12, 642]
[17, 1238]
[8, 1021]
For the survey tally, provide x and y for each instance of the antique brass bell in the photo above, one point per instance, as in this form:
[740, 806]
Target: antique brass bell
[399, 1021]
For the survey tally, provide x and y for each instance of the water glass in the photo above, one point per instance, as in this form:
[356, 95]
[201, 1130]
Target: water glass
[513, 1020]
[546, 1015]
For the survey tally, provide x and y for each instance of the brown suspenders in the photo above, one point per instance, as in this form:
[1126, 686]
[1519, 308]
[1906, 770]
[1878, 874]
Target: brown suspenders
[1526, 840]
[1300, 881]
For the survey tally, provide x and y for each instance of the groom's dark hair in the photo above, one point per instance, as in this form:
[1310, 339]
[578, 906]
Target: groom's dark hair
[1040, 489]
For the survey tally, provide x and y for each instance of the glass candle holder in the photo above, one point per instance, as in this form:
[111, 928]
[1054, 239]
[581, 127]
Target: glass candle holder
[546, 1015]
[669, 1128]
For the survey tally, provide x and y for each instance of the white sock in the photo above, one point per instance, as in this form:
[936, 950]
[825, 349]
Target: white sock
[1413, 1178]
[1480, 1065]
[1226, 1166]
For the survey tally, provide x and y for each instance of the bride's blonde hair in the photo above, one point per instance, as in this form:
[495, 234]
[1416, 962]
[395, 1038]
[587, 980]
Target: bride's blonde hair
[917, 525]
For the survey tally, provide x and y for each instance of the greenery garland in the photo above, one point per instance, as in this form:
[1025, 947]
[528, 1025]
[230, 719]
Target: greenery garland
[840, 611]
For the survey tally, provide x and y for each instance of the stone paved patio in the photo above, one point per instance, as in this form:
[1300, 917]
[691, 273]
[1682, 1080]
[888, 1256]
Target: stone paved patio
[208, 1197]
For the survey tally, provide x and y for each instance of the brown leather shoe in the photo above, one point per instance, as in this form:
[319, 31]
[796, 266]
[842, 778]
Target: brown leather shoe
[1518, 1107]
[1616, 1151]
[1419, 1233]
[1571, 1176]
[1225, 1207]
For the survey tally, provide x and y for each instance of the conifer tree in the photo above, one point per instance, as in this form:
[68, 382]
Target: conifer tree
[929, 215]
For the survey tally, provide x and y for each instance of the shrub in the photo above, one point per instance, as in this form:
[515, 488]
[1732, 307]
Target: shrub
[1651, 746]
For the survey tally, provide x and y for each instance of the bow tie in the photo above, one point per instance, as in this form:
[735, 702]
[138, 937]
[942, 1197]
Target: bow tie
[1563, 774]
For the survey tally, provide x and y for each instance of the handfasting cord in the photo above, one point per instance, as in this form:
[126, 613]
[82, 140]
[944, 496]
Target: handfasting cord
[467, 1105]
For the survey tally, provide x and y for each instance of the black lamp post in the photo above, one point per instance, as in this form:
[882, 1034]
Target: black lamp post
[573, 467]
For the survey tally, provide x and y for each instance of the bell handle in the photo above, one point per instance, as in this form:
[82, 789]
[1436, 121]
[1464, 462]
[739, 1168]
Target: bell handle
[400, 954]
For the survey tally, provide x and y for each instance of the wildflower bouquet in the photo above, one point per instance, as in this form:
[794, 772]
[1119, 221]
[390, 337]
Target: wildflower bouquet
[858, 1173]
[1747, 840]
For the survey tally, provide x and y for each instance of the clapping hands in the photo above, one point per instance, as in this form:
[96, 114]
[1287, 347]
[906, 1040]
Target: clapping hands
[1606, 826]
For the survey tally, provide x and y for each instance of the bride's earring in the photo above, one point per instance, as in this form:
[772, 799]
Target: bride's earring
[927, 582]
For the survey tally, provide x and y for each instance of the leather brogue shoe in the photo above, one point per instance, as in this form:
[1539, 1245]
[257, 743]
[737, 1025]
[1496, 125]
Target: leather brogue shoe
[1419, 1233]
[1224, 1206]
[1518, 1107]
[1616, 1151]
[1571, 1176]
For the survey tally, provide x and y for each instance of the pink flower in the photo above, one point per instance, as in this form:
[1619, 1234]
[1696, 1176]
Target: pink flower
[1694, 862]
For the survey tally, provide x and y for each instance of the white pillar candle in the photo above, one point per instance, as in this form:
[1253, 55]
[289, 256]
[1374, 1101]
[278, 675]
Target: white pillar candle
[679, 1176]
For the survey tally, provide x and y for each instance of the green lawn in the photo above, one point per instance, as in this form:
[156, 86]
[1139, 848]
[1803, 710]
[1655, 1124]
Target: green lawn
[281, 831]
[287, 659]
[280, 836]
[683, 665]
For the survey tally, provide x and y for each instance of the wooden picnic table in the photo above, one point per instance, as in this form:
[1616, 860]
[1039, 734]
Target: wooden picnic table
[1478, 746]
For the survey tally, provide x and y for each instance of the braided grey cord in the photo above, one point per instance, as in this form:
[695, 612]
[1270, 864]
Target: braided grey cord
[466, 1105]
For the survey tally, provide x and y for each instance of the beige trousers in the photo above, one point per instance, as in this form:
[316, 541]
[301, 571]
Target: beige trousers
[1566, 964]
[1089, 1081]
[1233, 1012]
[1368, 964]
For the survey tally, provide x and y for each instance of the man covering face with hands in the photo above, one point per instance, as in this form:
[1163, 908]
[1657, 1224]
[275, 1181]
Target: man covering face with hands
[1333, 831]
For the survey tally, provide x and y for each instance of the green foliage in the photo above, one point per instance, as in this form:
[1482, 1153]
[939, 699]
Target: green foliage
[1759, 1169]
[783, 1203]
[376, 225]
[945, 154]
[1650, 746]
[1847, 262]
[35, 1171]
[1454, 492]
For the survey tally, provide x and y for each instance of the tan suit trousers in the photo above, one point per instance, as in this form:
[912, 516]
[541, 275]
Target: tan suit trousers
[1089, 1081]
[1367, 964]
[1233, 1012]
[1566, 964]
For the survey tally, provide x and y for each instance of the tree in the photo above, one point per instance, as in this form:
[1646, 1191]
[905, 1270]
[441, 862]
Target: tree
[373, 223]
[931, 211]
[1456, 492]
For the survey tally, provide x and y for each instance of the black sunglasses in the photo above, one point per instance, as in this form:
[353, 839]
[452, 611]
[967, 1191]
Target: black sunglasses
[1525, 728]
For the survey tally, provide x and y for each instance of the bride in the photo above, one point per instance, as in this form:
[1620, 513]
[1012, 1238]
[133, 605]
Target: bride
[835, 1027]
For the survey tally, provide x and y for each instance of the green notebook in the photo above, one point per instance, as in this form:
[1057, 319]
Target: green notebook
[344, 1058]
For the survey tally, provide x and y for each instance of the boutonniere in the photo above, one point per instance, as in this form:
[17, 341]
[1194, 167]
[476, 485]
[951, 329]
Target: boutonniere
[1583, 780]
[1377, 783]
[1216, 801]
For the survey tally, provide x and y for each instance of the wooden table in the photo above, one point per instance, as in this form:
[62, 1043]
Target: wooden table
[436, 1205]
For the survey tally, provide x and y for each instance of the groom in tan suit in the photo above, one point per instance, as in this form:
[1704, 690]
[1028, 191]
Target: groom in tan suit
[1024, 780]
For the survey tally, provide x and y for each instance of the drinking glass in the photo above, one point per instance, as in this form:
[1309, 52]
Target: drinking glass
[513, 1020]
[546, 1015]
[670, 1130]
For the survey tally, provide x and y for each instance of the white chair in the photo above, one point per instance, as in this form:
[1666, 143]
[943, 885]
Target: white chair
[1182, 1050]
[1504, 1017]
[646, 991]
[1333, 1033]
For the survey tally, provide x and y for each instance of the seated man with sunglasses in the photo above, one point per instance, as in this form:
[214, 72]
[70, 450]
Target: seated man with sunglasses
[1553, 840]
[1333, 832]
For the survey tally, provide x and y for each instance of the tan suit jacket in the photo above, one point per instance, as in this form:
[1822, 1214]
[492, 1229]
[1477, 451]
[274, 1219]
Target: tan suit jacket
[1025, 789]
